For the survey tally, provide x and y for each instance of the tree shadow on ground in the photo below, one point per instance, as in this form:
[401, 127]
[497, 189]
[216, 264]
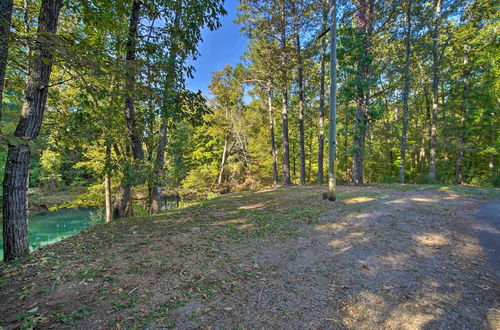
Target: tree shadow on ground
[280, 258]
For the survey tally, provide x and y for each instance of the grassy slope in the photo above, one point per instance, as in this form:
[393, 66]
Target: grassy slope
[138, 272]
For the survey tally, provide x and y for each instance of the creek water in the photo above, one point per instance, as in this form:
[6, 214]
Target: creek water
[52, 226]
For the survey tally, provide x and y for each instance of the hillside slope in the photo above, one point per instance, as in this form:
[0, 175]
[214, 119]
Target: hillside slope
[382, 256]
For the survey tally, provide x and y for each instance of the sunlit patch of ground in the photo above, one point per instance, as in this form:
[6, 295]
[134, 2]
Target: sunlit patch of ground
[431, 239]
[383, 256]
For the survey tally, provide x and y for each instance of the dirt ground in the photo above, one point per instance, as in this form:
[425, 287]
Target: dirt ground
[383, 256]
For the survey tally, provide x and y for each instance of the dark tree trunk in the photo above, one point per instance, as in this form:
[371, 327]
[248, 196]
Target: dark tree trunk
[15, 206]
[321, 135]
[406, 92]
[130, 77]
[130, 118]
[435, 93]
[5, 18]
[300, 82]
[123, 203]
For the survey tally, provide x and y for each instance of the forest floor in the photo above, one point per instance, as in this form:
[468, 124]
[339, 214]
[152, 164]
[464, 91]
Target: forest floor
[383, 256]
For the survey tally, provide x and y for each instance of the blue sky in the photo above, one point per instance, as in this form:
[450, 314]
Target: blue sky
[219, 48]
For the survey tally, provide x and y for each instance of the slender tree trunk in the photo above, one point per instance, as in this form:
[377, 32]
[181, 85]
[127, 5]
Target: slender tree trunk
[271, 131]
[332, 150]
[435, 92]
[5, 19]
[406, 92]
[321, 135]
[284, 112]
[155, 193]
[491, 164]
[107, 186]
[223, 161]
[15, 203]
[463, 119]
[155, 202]
[300, 81]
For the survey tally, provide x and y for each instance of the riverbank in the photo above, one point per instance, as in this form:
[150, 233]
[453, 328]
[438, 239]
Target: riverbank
[41, 200]
[385, 256]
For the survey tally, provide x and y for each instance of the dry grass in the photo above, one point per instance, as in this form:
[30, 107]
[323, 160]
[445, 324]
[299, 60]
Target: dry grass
[383, 256]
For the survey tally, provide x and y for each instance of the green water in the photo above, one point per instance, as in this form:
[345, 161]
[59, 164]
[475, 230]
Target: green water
[52, 226]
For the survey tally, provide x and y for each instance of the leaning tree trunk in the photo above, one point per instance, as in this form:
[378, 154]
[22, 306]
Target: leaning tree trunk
[5, 18]
[271, 131]
[435, 93]
[300, 81]
[15, 203]
[131, 122]
[321, 135]
[406, 92]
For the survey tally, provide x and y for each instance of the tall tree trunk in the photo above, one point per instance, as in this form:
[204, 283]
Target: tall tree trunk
[271, 131]
[300, 82]
[155, 193]
[107, 186]
[131, 123]
[332, 150]
[321, 135]
[15, 204]
[284, 112]
[435, 92]
[406, 92]
[130, 80]
[363, 96]
[5, 19]
[463, 119]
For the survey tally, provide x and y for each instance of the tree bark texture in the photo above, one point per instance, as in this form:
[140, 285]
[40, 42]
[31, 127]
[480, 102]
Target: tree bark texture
[435, 92]
[300, 82]
[130, 80]
[284, 112]
[406, 92]
[365, 17]
[15, 204]
[321, 135]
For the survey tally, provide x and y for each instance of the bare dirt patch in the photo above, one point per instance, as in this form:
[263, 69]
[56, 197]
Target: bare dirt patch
[381, 257]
